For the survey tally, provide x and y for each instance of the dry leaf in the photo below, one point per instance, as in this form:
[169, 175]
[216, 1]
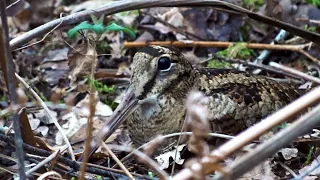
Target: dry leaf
[164, 159]
[82, 59]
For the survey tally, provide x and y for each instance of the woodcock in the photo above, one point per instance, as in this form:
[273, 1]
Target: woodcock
[161, 80]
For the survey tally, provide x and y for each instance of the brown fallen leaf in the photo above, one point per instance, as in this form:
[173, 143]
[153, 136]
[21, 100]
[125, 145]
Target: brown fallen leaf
[82, 58]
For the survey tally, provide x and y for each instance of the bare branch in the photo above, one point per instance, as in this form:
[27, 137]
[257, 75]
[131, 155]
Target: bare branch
[126, 5]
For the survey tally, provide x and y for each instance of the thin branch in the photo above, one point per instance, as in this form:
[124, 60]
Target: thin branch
[143, 157]
[218, 135]
[44, 37]
[127, 5]
[295, 72]
[265, 53]
[183, 32]
[310, 169]
[118, 171]
[252, 133]
[45, 107]
[219, 44]
[73, 164]
[298, 128]
[47, 174]
[42, 163]
[287, 168]
[6, 57]
[248, 63]
[92, 106]
[114, 157]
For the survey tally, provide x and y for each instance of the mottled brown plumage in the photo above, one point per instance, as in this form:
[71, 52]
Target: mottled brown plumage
[237, 99]
[162, 78]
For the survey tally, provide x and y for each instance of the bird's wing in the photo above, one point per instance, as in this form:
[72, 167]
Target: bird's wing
[238, 99]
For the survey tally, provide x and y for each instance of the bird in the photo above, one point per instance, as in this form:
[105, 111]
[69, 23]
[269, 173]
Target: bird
[161, 80]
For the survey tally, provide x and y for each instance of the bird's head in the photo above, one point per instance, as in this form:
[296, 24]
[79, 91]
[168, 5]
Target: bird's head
[158, 71]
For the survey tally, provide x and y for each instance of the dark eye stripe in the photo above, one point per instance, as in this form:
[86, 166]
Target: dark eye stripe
[147, 87]
[174, 61]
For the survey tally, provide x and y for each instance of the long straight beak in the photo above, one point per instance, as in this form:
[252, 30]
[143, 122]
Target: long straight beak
[128, 104]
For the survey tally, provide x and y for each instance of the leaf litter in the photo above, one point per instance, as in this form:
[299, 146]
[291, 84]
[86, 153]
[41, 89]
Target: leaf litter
[52, 67]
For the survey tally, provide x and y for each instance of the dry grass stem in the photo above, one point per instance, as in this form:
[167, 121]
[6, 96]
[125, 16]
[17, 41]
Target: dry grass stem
[45, 36]
[114, 157]
[92, 107]
[173, 135]
[280, 140]
[45, 107]
[42, 163]
[253, 132]
[143, 157]
[49, 173]
[295, 72]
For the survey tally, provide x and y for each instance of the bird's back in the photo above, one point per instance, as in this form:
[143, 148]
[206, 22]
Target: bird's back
[238, 99]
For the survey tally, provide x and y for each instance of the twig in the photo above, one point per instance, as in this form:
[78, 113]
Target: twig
[127, 5]
[73, 164]
[114, 157]
[118, 171]
[308, 171]
[218, 135]
[218, 44]
[265, 53]
[44, 37]
[298, 128]
[92, 104]
[186, 33]
[45, 107]
[42, 163]
[248, 63]
[295, 72]
[287, 168]
[143, 157]
[47, 174]
[252, 133]
[7, 61]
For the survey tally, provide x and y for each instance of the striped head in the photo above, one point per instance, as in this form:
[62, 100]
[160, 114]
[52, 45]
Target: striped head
[158, 71]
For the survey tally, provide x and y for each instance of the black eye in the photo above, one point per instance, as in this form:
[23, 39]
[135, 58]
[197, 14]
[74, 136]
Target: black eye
[164, 63]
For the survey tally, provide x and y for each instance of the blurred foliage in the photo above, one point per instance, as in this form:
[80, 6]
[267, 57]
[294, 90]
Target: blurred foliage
[315, 3]
[237, 50]
[252, 4]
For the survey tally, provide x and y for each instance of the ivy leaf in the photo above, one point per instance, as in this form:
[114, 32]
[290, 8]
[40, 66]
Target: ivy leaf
[115, 27]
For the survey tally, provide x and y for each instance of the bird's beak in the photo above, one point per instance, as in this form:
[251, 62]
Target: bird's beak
[128, 104]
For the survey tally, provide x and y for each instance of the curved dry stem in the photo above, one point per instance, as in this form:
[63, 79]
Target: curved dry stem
[151, 163]
[218, 135]
[45, 107]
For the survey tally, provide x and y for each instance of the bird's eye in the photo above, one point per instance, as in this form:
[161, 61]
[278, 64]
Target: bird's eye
[164, 63]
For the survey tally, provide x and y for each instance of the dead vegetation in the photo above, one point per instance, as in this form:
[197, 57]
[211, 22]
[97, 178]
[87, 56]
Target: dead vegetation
[65, 66]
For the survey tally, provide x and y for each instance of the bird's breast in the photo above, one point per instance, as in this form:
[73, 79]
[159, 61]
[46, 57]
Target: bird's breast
[163, 116]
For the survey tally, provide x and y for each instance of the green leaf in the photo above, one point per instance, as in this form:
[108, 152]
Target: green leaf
[98, 28]
[82, 26]
[115, 27]
[150, 174]
[237, 50]
[315, 3]
[95, 20]
[309, 155]
[310, 28]
[252, 4]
